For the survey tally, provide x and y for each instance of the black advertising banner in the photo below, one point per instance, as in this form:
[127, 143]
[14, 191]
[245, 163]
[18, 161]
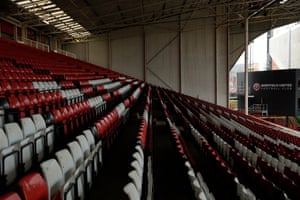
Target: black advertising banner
[276, 89]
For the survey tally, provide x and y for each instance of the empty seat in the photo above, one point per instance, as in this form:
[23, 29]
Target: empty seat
[95, 150]
[33, 186]
[11, 155]
[131, 191]
[16, 136]
[67, 165]
[88, 159]
[79, 173]
[10, 196]
[8, 160]
[54, 178]
[28, 129]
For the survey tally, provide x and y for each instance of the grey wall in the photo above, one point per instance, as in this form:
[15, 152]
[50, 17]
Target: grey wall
[193, 57]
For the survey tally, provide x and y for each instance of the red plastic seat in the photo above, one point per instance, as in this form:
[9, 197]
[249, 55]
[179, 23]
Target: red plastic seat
[33, 186]
[10, 196]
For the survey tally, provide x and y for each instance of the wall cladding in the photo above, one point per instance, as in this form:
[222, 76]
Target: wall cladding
[188, 62]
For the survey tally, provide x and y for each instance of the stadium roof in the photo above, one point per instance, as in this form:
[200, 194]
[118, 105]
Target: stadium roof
[87, 18]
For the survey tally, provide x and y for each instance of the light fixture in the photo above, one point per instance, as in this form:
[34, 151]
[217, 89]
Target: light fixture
[283, 1]
[49, 13]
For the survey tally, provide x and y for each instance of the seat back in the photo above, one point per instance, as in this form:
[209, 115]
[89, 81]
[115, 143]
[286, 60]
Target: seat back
[39, 137]
[11, 163]
[66, 163]
[3, 140]
[131, 191]
[13, 132]
[90, 138]
[54, 177]
[28, 127]
[33, 186]
[84, 145]
[76, 153]
[10, 196]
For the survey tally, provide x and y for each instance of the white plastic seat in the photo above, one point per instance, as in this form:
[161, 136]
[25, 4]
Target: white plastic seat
[137, 180]
[78, 158]
[139, 159]
[137, 167]
[88, 159]
[131, 191]
[67, 165]
[23, 145]
[54, 177]
[140, 150]
[40, 136]
[8, 159]
[29, 130]
[94, 151]
[84, 145]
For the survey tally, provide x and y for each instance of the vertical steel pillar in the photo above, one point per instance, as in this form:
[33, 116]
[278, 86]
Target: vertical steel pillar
[246, 65]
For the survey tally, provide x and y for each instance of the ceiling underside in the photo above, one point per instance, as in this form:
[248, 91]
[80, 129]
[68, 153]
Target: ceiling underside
[102, 16]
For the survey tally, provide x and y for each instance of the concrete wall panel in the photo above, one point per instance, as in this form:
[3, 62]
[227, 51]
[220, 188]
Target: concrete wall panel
[162, 62]
[127, 56]
[98, 53]
[198, 66]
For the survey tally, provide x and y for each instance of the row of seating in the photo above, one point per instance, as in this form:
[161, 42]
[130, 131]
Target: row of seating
[134, 189]
[72, 185]
[69, 175]
[272, 158]
[22, 146]
[212, 166]
[236, 140]
[200, 188]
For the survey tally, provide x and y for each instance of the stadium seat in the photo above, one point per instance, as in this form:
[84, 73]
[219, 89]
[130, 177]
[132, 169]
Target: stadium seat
[131, 191]
[67, 165]
[80, 170]
[88, 159]
[54, 178]
[10, 196]
[33, 186]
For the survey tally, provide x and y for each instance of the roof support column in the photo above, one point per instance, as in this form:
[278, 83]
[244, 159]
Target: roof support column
[246, 65]
[144, 54]
[23, 32]
[179, 57]
[109, 56]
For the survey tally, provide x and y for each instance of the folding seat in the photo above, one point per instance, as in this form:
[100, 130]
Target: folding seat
[27, 87]
[79, 173]
[25, 104]
[29, 132]
[88, 159]
[49, 101]
[139, 158]
[14, 85]
[11, 196]
[13, 113]
[131, 191]
[53, 176]
[33, 186]
[44, 138]
[96, 150]
[6, 87]
[42, 103]
[9, 155]
[137, 180]
[67, 165]
[16, 137]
